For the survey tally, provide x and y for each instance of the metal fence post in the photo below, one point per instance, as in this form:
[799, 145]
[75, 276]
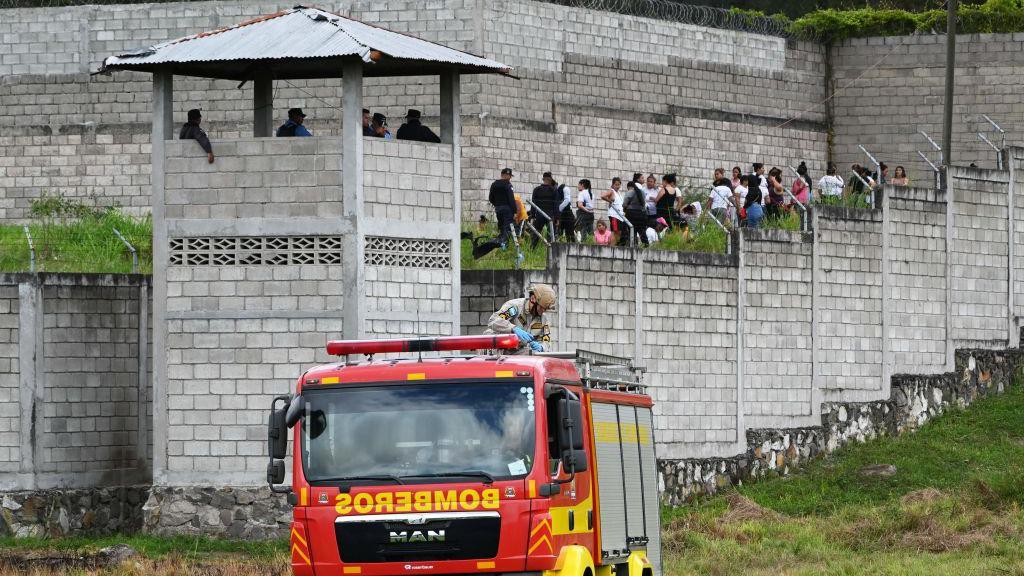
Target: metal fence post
[31, 250]
[135, 254]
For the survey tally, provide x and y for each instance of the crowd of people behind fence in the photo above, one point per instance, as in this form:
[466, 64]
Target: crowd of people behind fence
[647, 207]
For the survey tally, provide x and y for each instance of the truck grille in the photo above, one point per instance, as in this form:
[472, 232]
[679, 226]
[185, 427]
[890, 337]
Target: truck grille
[418, 537]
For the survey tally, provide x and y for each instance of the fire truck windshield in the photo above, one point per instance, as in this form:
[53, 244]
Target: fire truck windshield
[418, 433]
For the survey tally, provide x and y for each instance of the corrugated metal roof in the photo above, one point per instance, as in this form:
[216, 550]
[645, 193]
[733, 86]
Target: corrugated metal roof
[297, 33]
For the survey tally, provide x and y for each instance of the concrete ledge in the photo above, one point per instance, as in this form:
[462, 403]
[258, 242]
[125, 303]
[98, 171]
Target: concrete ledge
[73, 279]
[776, 235]
[918, 194]
[845, 213]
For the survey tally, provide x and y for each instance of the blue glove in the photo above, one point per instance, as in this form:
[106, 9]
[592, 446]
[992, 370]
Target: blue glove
[536, 346]
[524, 336]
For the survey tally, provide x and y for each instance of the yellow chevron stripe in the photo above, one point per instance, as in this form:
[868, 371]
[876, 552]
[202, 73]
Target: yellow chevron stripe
[295, 534]
[536, 544]
[297, 550]
[544, 524]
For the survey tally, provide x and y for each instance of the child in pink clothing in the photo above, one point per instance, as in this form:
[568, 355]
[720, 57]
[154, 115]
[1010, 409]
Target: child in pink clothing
[603, 235]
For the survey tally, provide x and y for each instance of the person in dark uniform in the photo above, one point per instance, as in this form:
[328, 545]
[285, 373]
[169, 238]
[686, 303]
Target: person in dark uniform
[502, 197]
[413, 130]
[192, 131]
[367, 129]
[566, 217]
[546, 211]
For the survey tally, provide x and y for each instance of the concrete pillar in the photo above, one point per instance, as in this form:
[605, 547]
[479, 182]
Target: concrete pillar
[1013, 338]
[31, 379]
[950, 229]
[451, 133]
[638, 307]
[142, 383]
[163, 100]
[354, 313]
[263, 105]
[741, 306]
[887, 361]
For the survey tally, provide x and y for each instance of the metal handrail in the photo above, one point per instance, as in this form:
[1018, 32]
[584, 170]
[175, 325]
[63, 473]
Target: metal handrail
[934, 168]
[551, 228]
[1002, 141]
[31, 249]
[728, 234]
[878, 165]
[871, 196]
[135, 255]
[932, 142]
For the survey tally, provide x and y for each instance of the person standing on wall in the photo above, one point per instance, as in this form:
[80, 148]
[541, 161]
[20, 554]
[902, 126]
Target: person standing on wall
[503, 197]
[294, 127]
[191, 131]
[414, 130]
[545, 211]
[566, 217]
[584, 211]
[665, 201]
[616, 215]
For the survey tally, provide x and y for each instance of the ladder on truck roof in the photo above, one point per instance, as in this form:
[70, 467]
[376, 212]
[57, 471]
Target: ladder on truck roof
[604, 371]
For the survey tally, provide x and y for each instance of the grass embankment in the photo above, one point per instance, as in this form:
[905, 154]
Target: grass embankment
[953, 507]
[84, 243]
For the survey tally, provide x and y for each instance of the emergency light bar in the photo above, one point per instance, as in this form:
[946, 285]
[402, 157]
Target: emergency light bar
[441, 344]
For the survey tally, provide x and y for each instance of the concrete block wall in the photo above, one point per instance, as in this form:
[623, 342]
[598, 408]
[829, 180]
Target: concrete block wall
[410, 181]
[254, 178]
[886, 89]
[978, 261]
[917, 288]
[848, 303]
[777, 317]
[88, 135]
[409, 301]
[483, 292]
[10, 413]
[75, 379]
[689, 348]
[600, 300]
[91, 403]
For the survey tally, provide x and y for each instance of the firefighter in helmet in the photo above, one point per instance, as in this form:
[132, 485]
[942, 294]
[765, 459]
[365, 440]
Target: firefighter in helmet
[524, 317]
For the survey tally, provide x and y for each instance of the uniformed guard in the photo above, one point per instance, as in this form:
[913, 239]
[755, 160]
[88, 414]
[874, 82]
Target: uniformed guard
[524, 317]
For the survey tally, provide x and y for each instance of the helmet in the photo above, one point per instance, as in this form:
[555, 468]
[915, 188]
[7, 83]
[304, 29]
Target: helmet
[546, 297]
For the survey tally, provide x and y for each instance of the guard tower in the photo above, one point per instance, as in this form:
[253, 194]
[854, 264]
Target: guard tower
[283, 243]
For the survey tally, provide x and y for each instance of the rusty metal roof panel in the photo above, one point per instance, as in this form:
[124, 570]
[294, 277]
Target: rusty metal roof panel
[297, 33]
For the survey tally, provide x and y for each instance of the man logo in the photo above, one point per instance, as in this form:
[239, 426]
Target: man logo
[407, 537]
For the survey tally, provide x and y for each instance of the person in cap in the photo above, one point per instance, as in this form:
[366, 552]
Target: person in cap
[524, 317]
[367, 129]
[192, 131]
[294, 127]
[413, 130]
[503, 197]
[380, 126]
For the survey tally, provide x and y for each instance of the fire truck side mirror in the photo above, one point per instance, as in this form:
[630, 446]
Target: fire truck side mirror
[570, 429]
[275, 472]
[574, 461]
[294, 414]
[277, 434]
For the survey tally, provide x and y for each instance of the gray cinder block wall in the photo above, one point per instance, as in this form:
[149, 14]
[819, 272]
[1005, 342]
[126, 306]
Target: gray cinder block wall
[886, 89]
[75, 380]
[595, 97]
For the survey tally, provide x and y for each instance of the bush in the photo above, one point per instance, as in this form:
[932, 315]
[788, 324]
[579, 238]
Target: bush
[994, 16]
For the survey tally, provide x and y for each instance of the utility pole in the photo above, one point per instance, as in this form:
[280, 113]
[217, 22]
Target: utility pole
[947, 118]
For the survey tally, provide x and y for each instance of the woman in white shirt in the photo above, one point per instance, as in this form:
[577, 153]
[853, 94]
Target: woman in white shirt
[616, 215]
[585, 210]
[831, 184]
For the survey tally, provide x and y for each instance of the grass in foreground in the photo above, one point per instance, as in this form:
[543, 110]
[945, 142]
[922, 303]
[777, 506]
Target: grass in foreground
[953, 507]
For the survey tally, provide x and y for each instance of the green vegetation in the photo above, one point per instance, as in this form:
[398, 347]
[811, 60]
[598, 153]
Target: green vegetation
[953, 507]
[154, 547]
[830, 25]
[70, 236]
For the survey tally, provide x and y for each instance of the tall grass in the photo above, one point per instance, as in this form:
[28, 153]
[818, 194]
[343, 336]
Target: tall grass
[71, 237]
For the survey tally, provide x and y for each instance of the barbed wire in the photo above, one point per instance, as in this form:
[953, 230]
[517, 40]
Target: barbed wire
[668, 10]
[697, 15]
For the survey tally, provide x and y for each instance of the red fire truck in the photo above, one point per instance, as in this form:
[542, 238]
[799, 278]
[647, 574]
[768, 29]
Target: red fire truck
[472, 464]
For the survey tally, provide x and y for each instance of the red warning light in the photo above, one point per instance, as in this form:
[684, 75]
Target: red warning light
[441, 344]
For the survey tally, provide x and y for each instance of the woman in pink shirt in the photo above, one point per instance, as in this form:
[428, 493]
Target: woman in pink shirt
[802, 185]
[603, 235]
